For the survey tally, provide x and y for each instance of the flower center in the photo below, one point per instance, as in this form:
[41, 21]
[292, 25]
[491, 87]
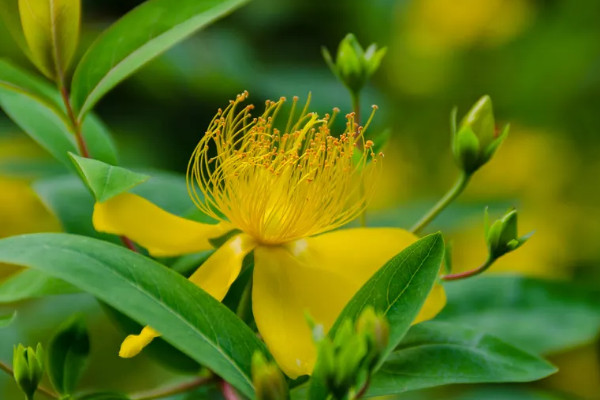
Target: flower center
[281, 185]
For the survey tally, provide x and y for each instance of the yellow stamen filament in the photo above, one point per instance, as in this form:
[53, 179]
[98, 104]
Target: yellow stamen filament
[279, 186]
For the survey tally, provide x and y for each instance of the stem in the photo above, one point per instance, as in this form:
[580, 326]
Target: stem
[128, 243]
[6, 368]
[467, 274]
[41, 389]
[182, 388]
[81, 145]
[228, 391]
[453, 193]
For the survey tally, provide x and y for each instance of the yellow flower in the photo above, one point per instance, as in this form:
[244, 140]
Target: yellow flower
[281, 190]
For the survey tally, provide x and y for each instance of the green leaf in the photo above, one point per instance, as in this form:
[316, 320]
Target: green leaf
[30, 283]
[538, 315]
[399, 288]
[38, 109]
[9, 15]
[188, 318]
[39, 118]
[138, 37]
[99, 140]
[69, 199]
[436, 353]
[104, 180]
[51, 29]
[68, 352]
[6, 320]
[506, 393]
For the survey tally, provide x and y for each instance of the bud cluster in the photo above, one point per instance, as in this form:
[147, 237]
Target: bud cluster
[345, 362]
[353, 65]
[28, 368]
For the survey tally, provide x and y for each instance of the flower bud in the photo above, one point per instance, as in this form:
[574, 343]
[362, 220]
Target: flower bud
[502, 237]
[28, 368]
[476, 140]
[375, 330]
[353, 66]
[269, 382]
[340, 363]
[350, 353]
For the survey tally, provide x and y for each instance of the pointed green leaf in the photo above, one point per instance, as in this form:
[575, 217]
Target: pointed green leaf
[436, 353]
[188, 318]
[40, 119]
[104, 180]
[138, 37]
[399, 288]
[51, 29]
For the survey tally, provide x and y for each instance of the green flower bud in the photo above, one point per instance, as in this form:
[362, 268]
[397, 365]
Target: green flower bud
[467, 149]
[480, 119]
[28, 368]
[502, 237]
[349, 364]
[340, 362]
[269, 382]
[375, 330]
[476, 140]
[353, 66]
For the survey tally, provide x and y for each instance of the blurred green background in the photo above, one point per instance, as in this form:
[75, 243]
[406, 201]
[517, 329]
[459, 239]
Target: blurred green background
[538, 59]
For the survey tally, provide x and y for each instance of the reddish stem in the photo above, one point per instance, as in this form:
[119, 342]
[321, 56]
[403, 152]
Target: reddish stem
[228, 391]
[182, 388]
[81, 145]
[128, 243]
[468, 274]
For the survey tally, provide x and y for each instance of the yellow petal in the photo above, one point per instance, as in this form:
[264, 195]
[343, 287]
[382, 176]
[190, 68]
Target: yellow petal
[133, 344]
[162, 233]
[317, 276]
[215, 276]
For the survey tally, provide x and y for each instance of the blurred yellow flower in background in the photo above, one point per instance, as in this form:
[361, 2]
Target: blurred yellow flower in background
[21, 211]
[436, 26]
[431, 34]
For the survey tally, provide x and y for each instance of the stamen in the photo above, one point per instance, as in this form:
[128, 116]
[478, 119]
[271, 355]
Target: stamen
[279, 186]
